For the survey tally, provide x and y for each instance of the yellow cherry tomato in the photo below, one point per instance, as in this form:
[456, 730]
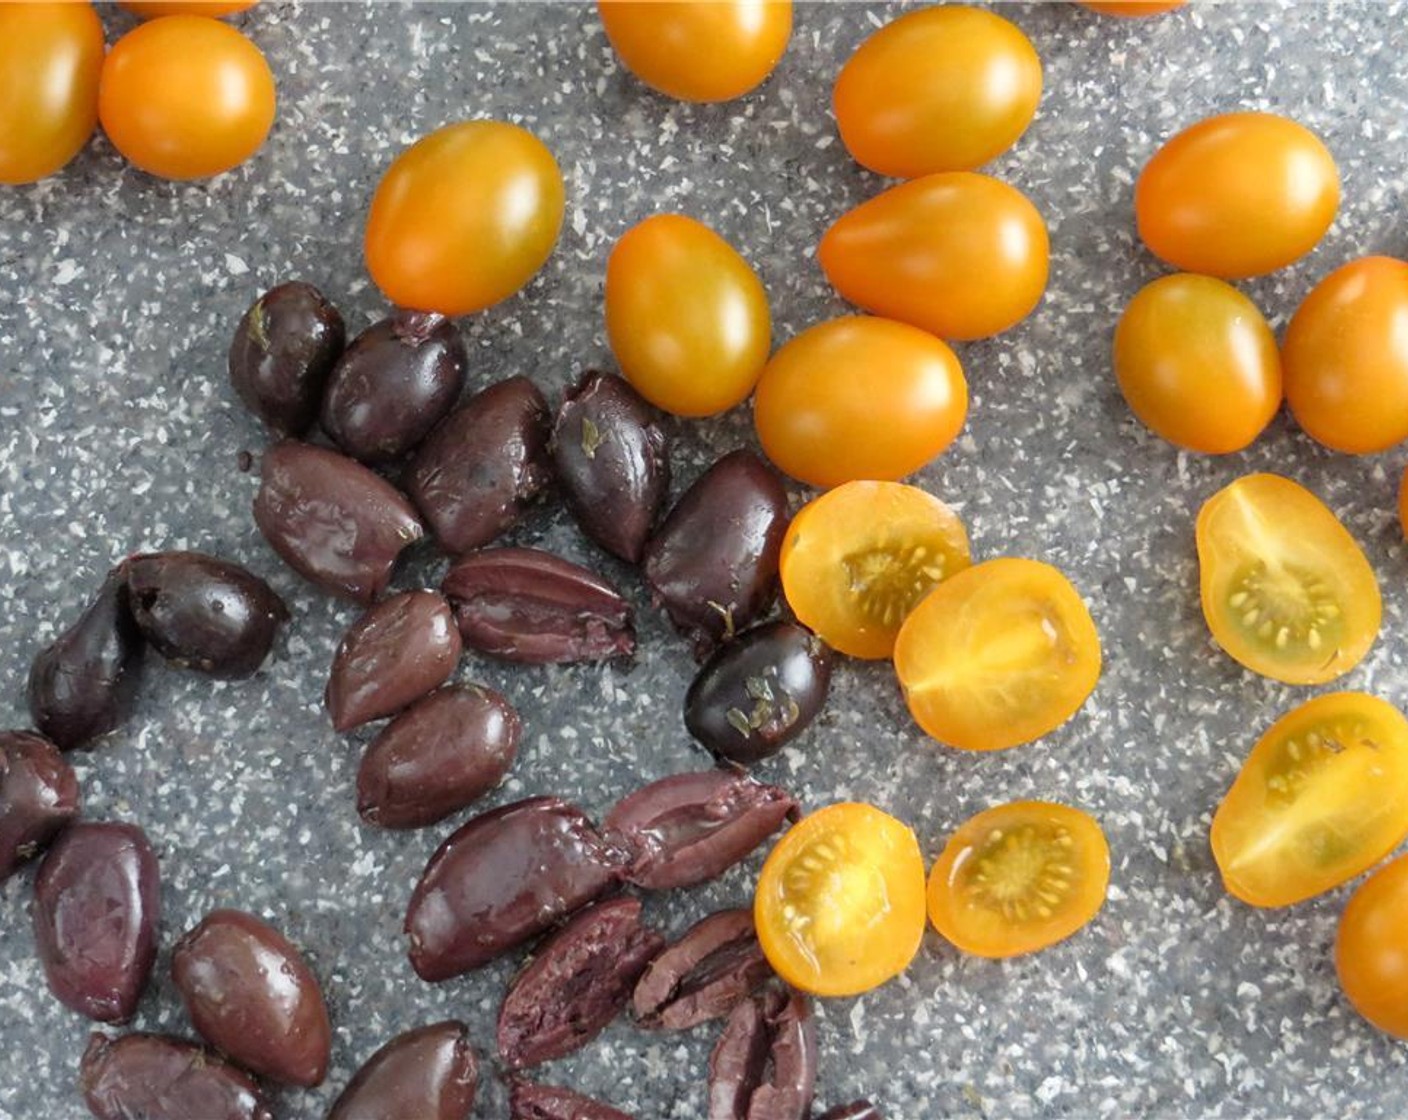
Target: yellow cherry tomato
[154, 9]
[1371, 949]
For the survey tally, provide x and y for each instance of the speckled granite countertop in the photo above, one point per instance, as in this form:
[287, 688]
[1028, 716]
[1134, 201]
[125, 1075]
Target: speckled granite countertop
[118, 431]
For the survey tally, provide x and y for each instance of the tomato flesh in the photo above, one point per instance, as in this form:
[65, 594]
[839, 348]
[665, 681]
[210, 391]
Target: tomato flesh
[1371, 949]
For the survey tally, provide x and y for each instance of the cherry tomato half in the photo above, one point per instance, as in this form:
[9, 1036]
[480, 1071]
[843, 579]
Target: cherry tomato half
[998, 655]
[915, 253]
[1346, 357]
[464, 217]
[1237, 195]
[1285, 589]
[1198, 364]
[941, 89]
[1322, 797]
[699, 50]
[1371, 950]
[1132, 8]
[1019, 877]
[154, 9]
[840, 901]
[50, 59]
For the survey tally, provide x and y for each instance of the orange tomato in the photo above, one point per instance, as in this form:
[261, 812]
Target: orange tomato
[914, 253]
[1237, 195]
[153, 9]
[1346, 357]
[858, 397]
[940, 89]
[1131, 8]
[1371, 950]
[699, 50]
[464, 217]
[686, 317]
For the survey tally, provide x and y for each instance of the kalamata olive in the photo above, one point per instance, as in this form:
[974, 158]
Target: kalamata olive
[527, 1101]
[856, 1110]
[523, 604]
[484, 465]
[153, 1077]
[764, 1064]
[689, 828]
[81, 685]
[712, 564]
[333, 521]
[97, 901]
[716, 963]
[201, 612]
[613, 462]
[393, 383]
[38, 797]
[759, 692]
[577, 982]
[282, 353]
[439, 755]
[502, 878]
[429, 1073]
[252, 996]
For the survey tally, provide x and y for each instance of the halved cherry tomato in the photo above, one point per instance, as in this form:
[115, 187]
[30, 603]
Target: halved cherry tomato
[840, 901]
[1198, 364]
[1371, 951]
[699, 50]
[154, 9]
[1019, 877]
[941, 89]
[1322, 797]
[858, 397]
[998, 655]
[1131, 8]
[1237, 195]
[464, 217]
[858, 559]
[686, 316]
[1285, 589]
[915, 253]
[1346, 357]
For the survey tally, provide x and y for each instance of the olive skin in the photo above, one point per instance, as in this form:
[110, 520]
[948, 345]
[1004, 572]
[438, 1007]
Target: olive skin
[429, 1073]
[153, 1077]
[763, 1066]
[281, 355]
[714, 965]
[38, 797]
[527, 1101]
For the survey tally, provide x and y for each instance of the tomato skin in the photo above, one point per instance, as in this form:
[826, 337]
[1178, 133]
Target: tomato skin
[1198, 363]
[939, 89]
[464, 217]
[1346, 357]
[686, 316]
[1371, 948]
[50, 58]
[859, 398]
[1132, 8]
[1237, 195]
[912, 253]
[699, 50]
[155, 9]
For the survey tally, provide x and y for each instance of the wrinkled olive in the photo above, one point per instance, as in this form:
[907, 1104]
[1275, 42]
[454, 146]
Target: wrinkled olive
[153, 1077]
[716, 963]
[527, 1101]
[764, 1064]
[38, 797]
[429, 1073]
[282, 353]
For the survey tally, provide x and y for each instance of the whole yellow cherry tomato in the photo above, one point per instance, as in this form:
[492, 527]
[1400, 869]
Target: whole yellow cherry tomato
[1371, 948]
[154, 9]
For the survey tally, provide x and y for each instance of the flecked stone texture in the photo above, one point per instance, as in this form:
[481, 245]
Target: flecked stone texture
[119, 432]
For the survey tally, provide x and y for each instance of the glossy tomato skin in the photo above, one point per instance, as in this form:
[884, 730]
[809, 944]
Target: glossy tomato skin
[155, 9]
[859, 398]
[1198, 363]
[464, 217]
[1371, 949]
[915, 253]
[686, 316]
[699, 50]
[940, 89]
[1346, 357]
[1237, 195]
[50, 58]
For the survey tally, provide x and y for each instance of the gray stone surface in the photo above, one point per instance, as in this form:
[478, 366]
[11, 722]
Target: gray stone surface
[119, 432]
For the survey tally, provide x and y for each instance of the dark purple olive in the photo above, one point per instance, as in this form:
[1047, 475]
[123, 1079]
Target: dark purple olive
[203, 613]
[399, 650]
[38, 797]
[523, 604]
[483, 466]
[395, 382]
[81, 685]
[856, 1110]
[97, 901]
[283, 351]
[716, 963]
[527, 1101]
[689, 828]
[713, 563]
[154, 1077]
[333, 521]
[759, 692]
[764, 1064]
[502, 878]
[429, 1073]
[577, 982]
[252, 996]
[613, 462]
[438, 756]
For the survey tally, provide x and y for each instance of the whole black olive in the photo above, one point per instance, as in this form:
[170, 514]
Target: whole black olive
[282, 353]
